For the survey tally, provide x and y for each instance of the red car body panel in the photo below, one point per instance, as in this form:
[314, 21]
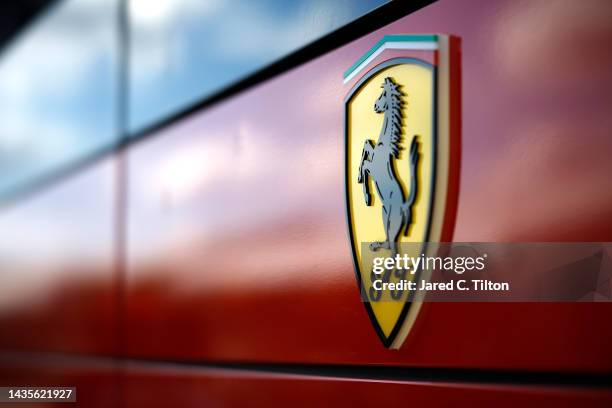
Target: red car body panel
[232, 247]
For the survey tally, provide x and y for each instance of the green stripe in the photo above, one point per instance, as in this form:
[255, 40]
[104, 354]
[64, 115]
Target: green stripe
[391, 38]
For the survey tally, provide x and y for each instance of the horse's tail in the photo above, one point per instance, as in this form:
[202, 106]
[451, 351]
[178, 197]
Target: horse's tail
[414, 159]
[407, 214]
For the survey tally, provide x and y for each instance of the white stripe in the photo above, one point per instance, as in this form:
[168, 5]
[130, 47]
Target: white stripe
[393, 45]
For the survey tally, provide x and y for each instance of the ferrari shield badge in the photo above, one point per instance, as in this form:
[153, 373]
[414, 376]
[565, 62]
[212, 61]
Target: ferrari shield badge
[402, 161]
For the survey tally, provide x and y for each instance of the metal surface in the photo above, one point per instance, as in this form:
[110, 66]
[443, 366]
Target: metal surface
[236, 223]
[237, 252]
[158, 387]
[59, 287]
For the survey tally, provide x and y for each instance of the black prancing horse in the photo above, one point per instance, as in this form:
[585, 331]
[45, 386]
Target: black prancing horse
[379, 163]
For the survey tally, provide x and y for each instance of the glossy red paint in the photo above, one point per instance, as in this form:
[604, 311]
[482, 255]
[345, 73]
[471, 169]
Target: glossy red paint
[108, 382]
[237, 250]
[156, 387]
[59, 288]
[97, 385]
[237, 245]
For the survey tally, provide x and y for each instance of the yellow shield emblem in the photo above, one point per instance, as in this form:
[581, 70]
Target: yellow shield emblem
[402, 161]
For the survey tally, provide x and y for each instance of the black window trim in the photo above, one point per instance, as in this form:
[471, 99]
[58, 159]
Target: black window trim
[373, 20]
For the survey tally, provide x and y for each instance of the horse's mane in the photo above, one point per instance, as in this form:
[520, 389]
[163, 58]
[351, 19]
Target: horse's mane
[394, 133]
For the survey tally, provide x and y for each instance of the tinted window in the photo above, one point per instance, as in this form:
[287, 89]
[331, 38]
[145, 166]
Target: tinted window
[58, 90]
[183, 50]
